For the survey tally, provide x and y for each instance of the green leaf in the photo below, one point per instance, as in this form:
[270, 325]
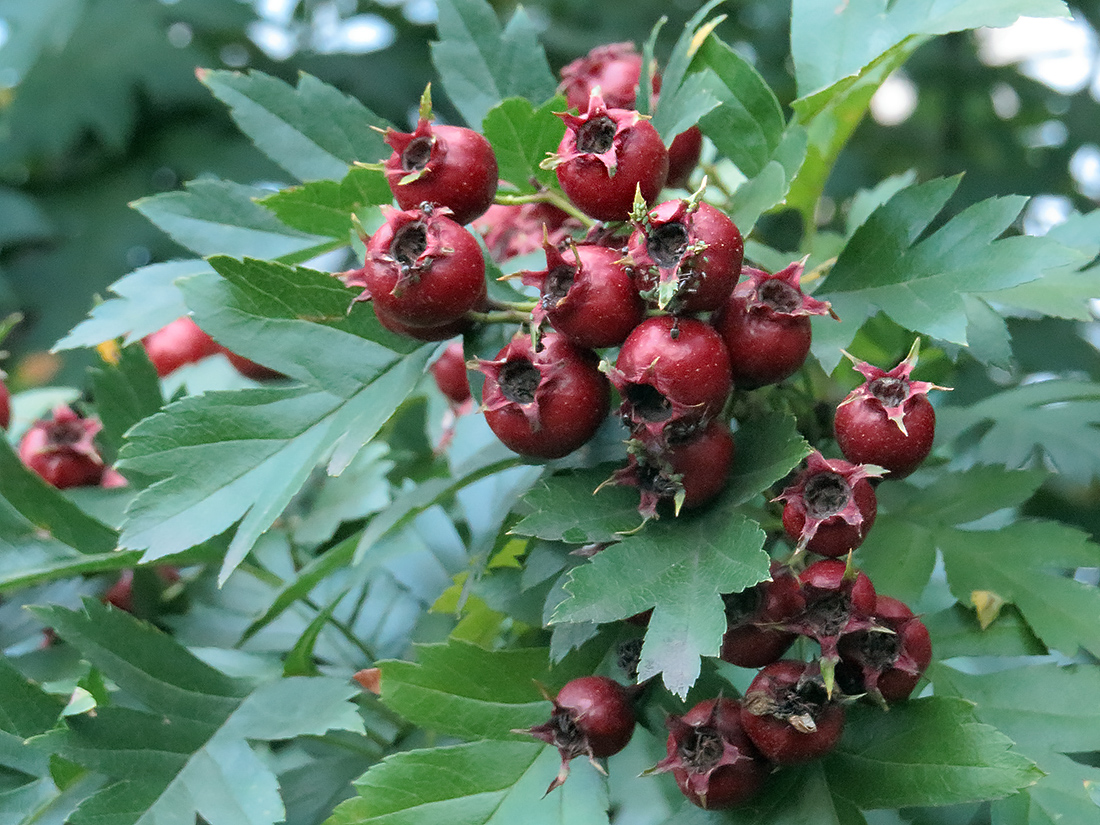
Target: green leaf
[768, 447]
[148, 299]
[325, 207]
[770, 187]
[522, 136]
[924, 752]
[483, 783]
[564, 508]
[125, 393]
[27, 710]
[797, 795]
[212, 217]
[314, 131]
[481, 65]
[955, 632]
[679, 567]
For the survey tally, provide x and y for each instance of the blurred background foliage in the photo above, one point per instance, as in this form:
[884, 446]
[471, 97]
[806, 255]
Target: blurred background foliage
[99, 106]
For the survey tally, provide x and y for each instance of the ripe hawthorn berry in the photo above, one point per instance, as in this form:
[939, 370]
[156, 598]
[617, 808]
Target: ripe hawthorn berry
[605, 156]
[510, 230]
[831, 506]
[886, 660]
[588, 295]
[178, 344]
[714, 762]
[683, 156]
[422, 269]
[449, 166]
[687, 254]
[754, 636]
[673, 375]
[5, 405]
[766, 326]
[544, 403]
[61, 449]
[592, 716]
[449, 372]
[788, 714]
[439, 333]
[889, 420]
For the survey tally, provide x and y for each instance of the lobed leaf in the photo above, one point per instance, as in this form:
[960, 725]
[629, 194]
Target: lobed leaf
[522, 136]
[326, 207]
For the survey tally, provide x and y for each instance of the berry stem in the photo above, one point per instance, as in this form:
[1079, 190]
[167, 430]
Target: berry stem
[518, 306]
[819, 271]
[551, 197]
[507, 316]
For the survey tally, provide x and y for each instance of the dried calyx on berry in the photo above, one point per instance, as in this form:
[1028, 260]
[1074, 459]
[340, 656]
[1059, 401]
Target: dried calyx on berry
[61, 449]
[754, 634]
[510, 230]
[888, 420]
[788, 713]
[885, 661]
[714, 762]
[592, 716]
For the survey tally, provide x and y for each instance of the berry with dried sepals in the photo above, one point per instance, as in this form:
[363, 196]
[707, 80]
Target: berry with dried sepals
[886, 660]
[789, 715]
[592, 716]
[754, 636]
[766, 326]
[687, 254]
[606, 156]
[588, 294]
[544, 403]
[449, 372]
[178, 344]
[61, 449]
[510, 230]
[889, 420]
[831, 506]
[422, 269]
[714, 762]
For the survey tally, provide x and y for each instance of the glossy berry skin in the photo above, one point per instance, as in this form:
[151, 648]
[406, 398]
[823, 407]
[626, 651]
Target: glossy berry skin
[615, 68]
[544, 404]
[442, 332]
[753, 637]
[839, 601]
[787, 714]
[61, 451]
[688, 256]
[178, 344]
[672, 373]
[422, 269]
[831, 507]
[887, 666]
[449, 372]
[5, 405]
[605, 156]
[683, 156]
[588, 295]
[447, 166]
[714, 762]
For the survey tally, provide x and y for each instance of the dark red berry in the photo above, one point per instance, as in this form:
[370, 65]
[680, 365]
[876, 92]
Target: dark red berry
[442, 332]
[447, 166]
[754, 636]
[588, 294]
[714, 762]
[121, 593]
[886, 660]
[831, 506]
[687, 255]
[61, 449]
[673, 374]
[249, 368]
[605, 156]
[5, 405]
[547, 403]
[683, 156]
[449, 372]
[615, 68]
[889, 420]
[422, 269]
[179, 343]
[592, 716]
[788, 715]
[839, 600]
[766, 326]
[518, 229]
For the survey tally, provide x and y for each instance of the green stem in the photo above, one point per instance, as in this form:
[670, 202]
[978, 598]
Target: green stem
[715, 180]
[508, 316]
[551, 197]
[518, 306]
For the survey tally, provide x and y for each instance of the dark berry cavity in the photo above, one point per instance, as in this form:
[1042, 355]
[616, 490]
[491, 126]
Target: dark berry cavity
[666, 244]
[409, 243]
[417, 154]
[568, 738]
[596, 136]
[826, 494]
[880, 649]
[701, 749]
[779, 295]
[519, 379]
[890, 391]
[830, 613]
[740, 606]
[66, 433]
[648, 403]
[559, 281]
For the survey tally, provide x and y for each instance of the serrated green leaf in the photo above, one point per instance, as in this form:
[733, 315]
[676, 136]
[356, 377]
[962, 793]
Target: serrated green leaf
[955, 632]
[679, 110]
[314, 131]
[325, 207]
[771, 186]
[924, 752]
[481, 64]
[27, 709]
[768, 448]
[563, 508]
[125, 393]
[522, 136]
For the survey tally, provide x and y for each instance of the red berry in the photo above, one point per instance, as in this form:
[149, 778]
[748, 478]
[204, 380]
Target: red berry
[518, 229]
[673, 374]
[688, 254]
[442, 332]
[683, 156]
[605, 156]
[449, 371]
[616, 68]
[788, 714]
[179, 343]
[831, 506]
[60, 449]
[548, 403]
[714, 762]
[889, 420]
[886, 660]
[422, 269]
[447, 166]
[250, 369]
[766, 326]
[5, 405]
[753, 635]
[839, 600]
[588, 295]
[592, 716]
